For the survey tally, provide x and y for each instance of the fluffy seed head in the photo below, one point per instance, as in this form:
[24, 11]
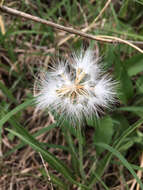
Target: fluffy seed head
[76, 90]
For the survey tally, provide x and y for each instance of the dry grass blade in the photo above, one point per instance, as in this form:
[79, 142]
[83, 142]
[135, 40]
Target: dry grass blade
[46, 171]
[1, 2]
[2, 25]
[88, 27]
[139, 174]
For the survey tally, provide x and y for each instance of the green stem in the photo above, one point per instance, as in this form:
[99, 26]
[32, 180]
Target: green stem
[80, 146]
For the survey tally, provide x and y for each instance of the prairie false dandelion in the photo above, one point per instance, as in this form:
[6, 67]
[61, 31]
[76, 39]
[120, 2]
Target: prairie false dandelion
[76, 90]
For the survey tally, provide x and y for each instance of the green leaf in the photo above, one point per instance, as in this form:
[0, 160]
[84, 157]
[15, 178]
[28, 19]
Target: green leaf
[14, 111]
[138, 110]
[139, 84]
[134, 65]
[45, 129]
[124, 9]
[102, 182]
[73, 150]
[92, 121]
[103, 132]
[41, 131]
[121, 123]
[7, 92]
[126, 87]
[126, 144]
[47, 145]
[54, 179]
[132, 108]
[127, 132]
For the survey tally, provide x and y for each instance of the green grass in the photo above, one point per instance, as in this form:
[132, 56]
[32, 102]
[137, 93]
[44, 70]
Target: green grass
[102, 150]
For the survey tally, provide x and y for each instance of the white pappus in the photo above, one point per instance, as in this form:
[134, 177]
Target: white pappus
[76, 89]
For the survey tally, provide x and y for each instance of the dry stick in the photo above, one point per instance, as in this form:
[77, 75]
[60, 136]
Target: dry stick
[68, 29]
[49, 23]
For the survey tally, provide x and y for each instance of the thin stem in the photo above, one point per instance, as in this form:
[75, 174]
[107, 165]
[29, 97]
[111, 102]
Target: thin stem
[1, 2]
[49, 178]
[2, 25]
[73, 151]
[52, 24]
[80, 146]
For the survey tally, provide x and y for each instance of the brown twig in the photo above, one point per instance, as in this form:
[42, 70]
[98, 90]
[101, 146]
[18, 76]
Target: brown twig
[49, 23]
[102, 38]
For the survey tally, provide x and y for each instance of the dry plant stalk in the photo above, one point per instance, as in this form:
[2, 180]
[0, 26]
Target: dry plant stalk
[139, 174]
[88, 27]
[49, 178]
[101, 38]
[2, 27]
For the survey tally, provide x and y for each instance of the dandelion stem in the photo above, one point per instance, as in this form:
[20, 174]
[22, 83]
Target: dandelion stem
[80, 146]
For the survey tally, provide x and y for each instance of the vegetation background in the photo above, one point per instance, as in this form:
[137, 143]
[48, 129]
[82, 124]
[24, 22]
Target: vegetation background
[37, 154]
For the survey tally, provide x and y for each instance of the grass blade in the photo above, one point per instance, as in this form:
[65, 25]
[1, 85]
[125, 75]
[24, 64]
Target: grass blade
[14, 111]
[51, 159]
[122, 159]
[105, 161]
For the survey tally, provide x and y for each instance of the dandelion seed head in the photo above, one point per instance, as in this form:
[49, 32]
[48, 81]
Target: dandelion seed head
[76, 90]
